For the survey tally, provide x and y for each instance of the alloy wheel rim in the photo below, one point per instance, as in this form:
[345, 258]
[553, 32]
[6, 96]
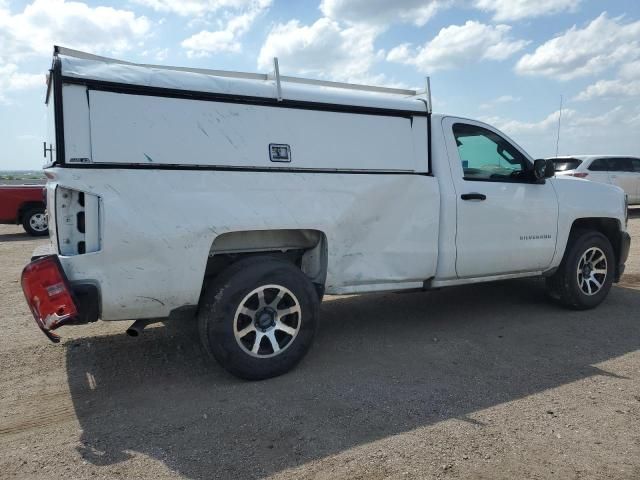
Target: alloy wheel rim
[267, 321]
[592, 271]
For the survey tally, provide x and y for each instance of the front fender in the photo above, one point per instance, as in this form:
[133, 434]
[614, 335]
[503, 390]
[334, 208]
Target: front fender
[580, 199]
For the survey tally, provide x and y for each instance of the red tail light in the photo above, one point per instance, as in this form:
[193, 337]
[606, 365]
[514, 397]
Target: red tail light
[580, 174]
[48, 294]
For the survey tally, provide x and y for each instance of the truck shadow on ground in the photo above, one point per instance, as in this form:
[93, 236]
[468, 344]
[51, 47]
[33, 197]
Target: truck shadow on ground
[381, 365]
[17, 237]
[634, 212]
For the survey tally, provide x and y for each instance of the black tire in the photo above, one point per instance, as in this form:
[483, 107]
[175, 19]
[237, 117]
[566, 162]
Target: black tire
[32, 222]
[571, 288]
[228, 292]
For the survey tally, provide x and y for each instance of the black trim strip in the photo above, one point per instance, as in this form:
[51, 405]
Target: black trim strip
[56, 73]
[501, 180]
[228, 168]
[129, 89]
[49, 82]
[55, 206]
[429, 165]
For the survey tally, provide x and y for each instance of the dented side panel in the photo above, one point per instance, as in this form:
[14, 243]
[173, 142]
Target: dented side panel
[158, 227]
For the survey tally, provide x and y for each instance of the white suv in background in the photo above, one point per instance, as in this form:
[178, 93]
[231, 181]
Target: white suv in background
[620, 170]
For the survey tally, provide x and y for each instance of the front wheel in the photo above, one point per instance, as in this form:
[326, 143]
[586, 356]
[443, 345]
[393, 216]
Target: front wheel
[34, 221]
[258, 317]
[586, 273]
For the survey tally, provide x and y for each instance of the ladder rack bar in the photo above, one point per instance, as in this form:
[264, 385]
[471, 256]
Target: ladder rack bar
[276, 69]
[428, 92]
[349, 86]
[244, 75]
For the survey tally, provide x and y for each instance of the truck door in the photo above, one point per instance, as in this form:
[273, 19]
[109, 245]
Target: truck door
[505, 223]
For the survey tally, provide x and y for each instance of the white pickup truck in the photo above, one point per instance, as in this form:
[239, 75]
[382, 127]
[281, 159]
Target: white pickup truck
[241, 199]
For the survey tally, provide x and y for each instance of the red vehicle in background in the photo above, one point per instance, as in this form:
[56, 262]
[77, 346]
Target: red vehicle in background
[24, 204]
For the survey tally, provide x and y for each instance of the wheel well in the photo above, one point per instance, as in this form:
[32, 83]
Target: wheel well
[25, 207]
[307, 249]
[609, 227]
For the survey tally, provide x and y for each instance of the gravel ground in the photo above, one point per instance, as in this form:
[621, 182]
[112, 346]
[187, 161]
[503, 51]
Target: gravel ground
[483, 382]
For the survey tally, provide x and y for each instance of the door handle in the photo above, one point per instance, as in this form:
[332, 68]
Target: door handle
[473, 196]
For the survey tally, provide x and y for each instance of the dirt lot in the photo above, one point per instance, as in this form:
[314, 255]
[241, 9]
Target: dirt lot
[482, 382]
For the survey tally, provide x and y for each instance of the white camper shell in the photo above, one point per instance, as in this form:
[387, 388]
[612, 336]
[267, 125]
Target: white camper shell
[245, 198]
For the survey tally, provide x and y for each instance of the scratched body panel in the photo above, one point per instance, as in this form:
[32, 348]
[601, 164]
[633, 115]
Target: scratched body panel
[158, 227]
[153, 130]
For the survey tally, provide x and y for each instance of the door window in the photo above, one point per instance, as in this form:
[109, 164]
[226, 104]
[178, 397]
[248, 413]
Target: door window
[487, 156]
[636, 164]
[599, 165]
[620, 165]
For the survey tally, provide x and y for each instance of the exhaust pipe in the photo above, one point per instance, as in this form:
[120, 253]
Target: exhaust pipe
[135, 330]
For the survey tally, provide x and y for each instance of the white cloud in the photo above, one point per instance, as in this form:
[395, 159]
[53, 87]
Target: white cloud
[626, 85]
[501, 100]
[611, 88]
[382, 12]
[12, 80]
[605, 42]
[505, 10]
[459, 44]
[401, 53]
[581, 132]
[419, 12]
[507, 99]
[323, 50]
[611, 119]
[157, 54]
[514, 128]
[161, 54]
[44, 23]
[193, 7]
[573, 122]
[631, 70]
[228, 38]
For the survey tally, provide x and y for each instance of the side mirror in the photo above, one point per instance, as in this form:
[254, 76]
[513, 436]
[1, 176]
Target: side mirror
[539, 170]
[551, 169]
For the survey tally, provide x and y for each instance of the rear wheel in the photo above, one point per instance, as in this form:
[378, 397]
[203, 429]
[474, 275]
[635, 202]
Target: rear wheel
[586, 273]
[34, 221]
[258, 318]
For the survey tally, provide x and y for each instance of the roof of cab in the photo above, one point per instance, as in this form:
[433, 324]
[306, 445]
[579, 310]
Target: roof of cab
[81, 66]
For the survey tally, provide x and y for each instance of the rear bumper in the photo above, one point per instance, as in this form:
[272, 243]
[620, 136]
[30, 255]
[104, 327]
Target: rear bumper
[623, 248]
[87, 298]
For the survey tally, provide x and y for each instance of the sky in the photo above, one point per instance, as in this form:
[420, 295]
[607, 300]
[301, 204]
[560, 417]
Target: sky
[505, 62]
